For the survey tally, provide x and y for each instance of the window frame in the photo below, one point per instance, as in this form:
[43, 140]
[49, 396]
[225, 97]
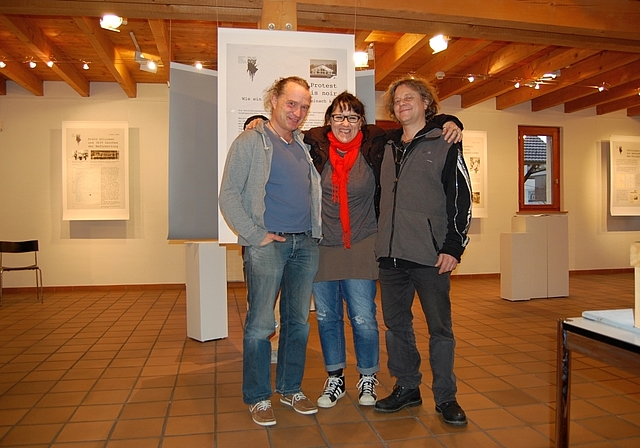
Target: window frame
[554, 205]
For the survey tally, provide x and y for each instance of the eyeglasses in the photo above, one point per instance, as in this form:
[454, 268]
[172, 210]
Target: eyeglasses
[339, 118]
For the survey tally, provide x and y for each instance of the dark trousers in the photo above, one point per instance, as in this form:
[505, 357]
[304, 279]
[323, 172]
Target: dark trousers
[398, 288]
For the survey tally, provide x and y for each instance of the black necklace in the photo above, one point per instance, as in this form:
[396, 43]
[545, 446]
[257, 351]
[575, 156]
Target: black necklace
[281, 137]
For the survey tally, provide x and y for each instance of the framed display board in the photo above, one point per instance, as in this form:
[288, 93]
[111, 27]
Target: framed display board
[624, 187]
[95, 170]
[474, 147]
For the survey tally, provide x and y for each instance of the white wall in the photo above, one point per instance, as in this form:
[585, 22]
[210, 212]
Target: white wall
[596, 241]
[137, 251]
[87, 252]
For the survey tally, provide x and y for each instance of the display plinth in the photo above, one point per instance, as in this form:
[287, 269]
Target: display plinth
[534, 257]
[206, 291]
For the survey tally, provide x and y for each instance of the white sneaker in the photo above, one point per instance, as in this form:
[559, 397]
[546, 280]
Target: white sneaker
[334, 389]
[367, 386]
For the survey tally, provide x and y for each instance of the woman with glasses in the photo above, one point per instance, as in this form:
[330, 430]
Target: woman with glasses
[348, 155]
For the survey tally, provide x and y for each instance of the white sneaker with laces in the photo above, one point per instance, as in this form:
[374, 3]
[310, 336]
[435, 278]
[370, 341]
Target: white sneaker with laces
[367, 386]
[334, 389]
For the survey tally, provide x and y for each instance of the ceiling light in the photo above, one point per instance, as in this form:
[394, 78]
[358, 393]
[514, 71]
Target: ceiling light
[440, 75]
[361, 59]
[199, 65]
[111, 22]
[517, 85]
[438, 43]
[85, 66]
[49, 64]
[471, 78]
[32, 64]
[601, 88]
[537, 87]
[2, 64]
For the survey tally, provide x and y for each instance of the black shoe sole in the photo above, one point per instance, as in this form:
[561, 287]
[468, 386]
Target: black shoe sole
[406, 405]
[453, 422]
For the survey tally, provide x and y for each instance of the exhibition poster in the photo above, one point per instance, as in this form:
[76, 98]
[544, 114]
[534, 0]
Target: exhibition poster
[474, 149]
[95, 170]
[624, 162]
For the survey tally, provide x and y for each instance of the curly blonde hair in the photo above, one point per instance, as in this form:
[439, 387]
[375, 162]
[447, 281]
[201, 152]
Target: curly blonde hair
[426, 90]
[277, 89]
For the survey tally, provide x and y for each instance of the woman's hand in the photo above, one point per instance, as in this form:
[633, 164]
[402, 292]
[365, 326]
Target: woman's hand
[452, 133]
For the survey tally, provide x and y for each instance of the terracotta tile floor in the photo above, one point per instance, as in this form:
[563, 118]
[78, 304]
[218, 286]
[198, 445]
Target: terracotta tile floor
[115, 369]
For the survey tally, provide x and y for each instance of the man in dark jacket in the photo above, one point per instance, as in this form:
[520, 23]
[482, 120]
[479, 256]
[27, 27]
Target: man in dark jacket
[425, 213]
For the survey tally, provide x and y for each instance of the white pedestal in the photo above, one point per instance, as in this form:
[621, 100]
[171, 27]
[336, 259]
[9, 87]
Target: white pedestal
[206, 291]
[534, 257]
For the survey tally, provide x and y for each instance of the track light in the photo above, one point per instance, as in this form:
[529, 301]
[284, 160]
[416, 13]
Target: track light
[199, 65]
[517, 85]
[85, 66]
[2, 64]
[438, 43]
[49, 64]
[471, 78]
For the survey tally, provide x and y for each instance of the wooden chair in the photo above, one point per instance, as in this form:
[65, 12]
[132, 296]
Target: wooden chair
[18, 247]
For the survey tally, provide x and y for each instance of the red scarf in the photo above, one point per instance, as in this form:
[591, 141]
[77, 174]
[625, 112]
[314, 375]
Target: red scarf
[342, 164]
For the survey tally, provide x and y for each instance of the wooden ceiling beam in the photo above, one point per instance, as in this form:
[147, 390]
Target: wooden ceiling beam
[35, 39]
[624, 103]
[281, 14]
[457, 52]
[568, 76]
[108, 54]
[552, 61]
[493, 65]
[633, 111]
[22, 76]
[3, 86]
[611, 94]
[614, 77]
[403, 49]
[394, 19]
[160, 31]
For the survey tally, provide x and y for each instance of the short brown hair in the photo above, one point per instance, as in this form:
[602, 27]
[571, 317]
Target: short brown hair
[277, 89]
[426, 90]
[344, 101]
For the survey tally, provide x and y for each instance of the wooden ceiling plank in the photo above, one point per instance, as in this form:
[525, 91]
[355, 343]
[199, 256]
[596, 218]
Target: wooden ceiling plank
[457, 52]
[35, 39]
[22, 76]
[3, 86]
[552, 61]
[613, 106]
[614, 77]
[615, 93]
[493, 65]
[108, 54]
[579, 71]
[403, 49]
[361, 39]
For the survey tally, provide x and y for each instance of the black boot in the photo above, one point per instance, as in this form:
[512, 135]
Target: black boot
[452, 413]
[401, 397]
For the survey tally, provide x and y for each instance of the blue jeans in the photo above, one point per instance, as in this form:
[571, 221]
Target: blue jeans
[361, 309]
[290, 267]
[398, 288]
